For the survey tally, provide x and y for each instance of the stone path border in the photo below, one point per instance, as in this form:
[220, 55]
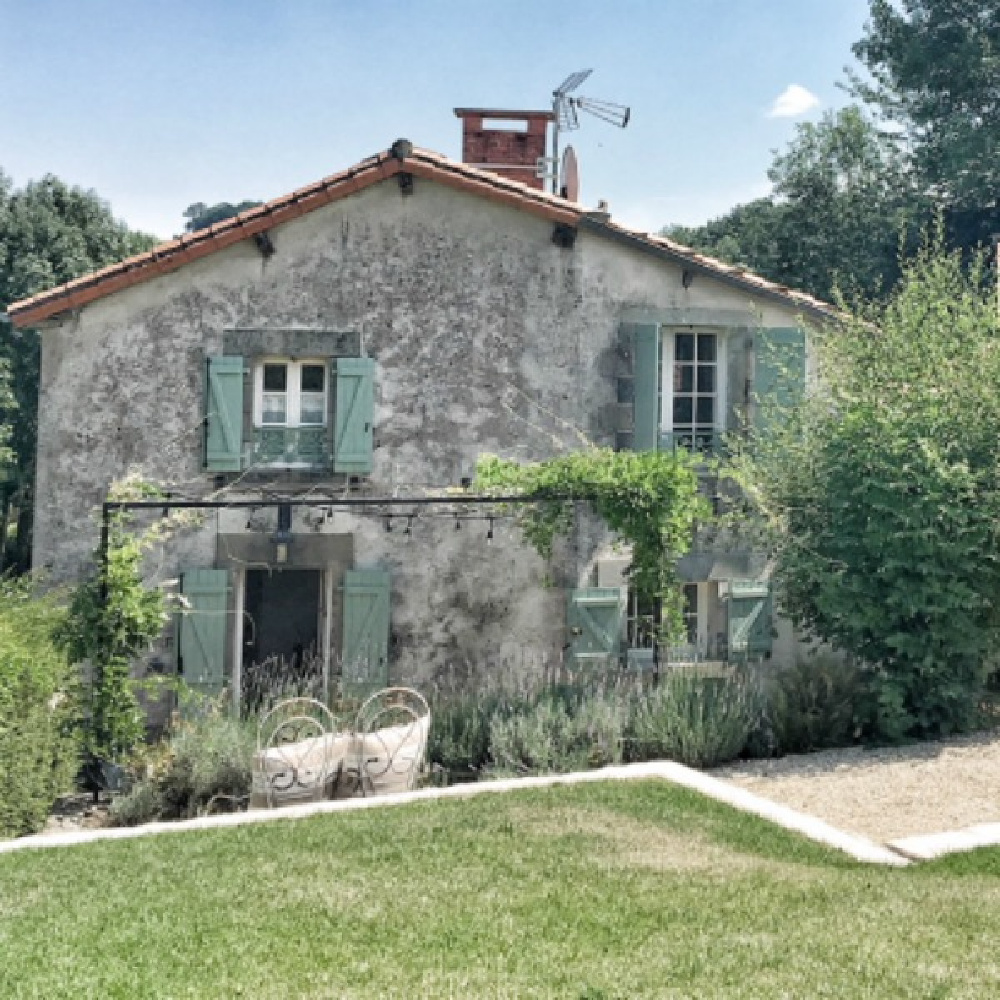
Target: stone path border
[857, 847]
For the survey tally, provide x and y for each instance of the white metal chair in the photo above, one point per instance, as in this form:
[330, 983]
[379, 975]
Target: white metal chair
[299, 754]
[390, 740]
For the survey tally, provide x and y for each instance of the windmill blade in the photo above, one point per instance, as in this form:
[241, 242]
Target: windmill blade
[571, 82]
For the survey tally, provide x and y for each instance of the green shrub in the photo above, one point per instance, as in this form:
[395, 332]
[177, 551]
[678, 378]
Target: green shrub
[459, 738]
[38, 747]
[814, 705]
[559, 731]
[697, 719]
[205, 766]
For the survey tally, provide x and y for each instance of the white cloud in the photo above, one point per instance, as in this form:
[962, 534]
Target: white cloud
[793, 102]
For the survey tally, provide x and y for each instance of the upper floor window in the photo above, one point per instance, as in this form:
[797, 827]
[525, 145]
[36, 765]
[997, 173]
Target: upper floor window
[692, 405]
[290, 394]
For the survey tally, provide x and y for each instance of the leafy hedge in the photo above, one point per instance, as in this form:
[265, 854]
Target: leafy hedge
[38, 745]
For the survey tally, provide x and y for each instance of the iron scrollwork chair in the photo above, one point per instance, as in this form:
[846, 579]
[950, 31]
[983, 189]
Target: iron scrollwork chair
[390, 740]
[299, 754]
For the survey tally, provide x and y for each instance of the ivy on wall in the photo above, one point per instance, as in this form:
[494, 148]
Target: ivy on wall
[648, 499]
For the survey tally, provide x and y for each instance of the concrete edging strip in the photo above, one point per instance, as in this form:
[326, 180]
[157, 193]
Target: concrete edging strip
[815, 829]
[929, 846]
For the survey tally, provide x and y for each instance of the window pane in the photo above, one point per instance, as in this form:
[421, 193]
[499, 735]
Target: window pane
[273, 410]
[706, 410]
[684, 347]
[312, 378]
[706, 346]
[683, 378]
[706, 378]
[683, 410]
[312, 409]
[275, 378]
[691, 612]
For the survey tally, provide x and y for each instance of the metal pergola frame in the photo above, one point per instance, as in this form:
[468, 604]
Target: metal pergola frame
[111, 507]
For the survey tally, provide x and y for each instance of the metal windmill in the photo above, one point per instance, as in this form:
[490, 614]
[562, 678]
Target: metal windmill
[566, 108]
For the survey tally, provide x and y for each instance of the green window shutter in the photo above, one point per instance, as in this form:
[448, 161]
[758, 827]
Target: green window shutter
[203, 629]
[750, 625]
[646, 386]
[224, 414]
[354, 413]
[779, 371]
[594, 617]
[365, 651]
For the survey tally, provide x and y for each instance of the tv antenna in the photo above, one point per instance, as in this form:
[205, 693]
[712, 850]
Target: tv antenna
[566, 108]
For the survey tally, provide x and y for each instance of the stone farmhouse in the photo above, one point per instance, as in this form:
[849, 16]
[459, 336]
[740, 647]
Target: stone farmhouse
[371, 335]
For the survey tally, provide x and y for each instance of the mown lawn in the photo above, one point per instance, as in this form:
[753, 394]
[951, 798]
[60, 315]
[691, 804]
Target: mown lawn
[598, 891]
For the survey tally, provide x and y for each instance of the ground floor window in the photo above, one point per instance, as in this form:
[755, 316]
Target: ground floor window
[703, 618]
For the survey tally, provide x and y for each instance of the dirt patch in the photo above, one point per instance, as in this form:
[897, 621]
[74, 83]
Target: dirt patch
[72, 813]
[629, 843]
[885, 793]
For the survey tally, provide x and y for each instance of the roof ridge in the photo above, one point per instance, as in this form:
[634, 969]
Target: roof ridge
[402, 157]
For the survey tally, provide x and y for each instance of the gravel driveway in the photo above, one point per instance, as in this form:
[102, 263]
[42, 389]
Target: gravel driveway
[885, 793]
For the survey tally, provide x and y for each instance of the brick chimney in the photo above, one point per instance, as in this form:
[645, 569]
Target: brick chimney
[509, 143]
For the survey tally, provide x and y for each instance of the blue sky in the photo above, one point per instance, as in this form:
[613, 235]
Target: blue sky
[159, 104]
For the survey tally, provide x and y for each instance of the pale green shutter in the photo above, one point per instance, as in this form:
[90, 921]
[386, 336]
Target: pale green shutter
[779, 372]
[224, 414]
[594, 619]
[352, 428]
[203, 629]
[750, 626]
[646, 386]
[365, 650]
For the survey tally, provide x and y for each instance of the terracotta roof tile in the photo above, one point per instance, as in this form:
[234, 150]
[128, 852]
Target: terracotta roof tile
[174, 253]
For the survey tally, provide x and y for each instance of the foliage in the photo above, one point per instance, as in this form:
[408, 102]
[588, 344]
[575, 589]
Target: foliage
[201, 216]
[814, 704]
[275, 678]
[558, 731]
[935, 74]
[205, 766]
[113, 617]
[38, 750]
[459, 737]
[648, 499]
[49, 233]
[842, 201]
[882, 496]
[696, 718]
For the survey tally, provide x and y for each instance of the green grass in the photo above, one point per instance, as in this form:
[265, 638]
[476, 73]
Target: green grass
[599, 891]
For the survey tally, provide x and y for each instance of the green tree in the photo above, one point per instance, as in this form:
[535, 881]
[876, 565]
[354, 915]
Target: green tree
[201, 216]
[842, 200]
[935, 75]
[881, 495]
[49, 233]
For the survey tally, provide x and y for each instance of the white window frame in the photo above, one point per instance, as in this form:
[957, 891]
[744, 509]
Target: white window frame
[668, 336]
[293, 391]
[696, 651]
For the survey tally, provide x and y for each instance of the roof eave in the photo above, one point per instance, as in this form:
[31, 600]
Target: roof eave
[691, 262]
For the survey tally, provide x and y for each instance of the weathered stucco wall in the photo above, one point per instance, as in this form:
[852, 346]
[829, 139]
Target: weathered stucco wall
[487, 336]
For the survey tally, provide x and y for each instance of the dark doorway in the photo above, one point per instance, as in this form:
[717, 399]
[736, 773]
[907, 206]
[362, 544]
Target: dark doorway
[282, 615]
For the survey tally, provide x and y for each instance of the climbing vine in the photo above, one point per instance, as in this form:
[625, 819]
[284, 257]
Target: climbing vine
[649, 500]
[113, 617]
